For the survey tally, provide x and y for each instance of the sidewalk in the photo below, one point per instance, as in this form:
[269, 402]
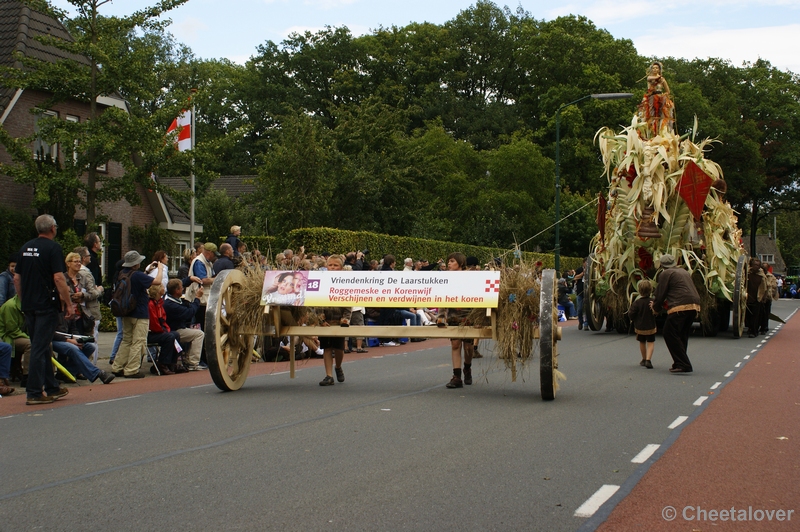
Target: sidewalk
[85, 392]
[736, 466]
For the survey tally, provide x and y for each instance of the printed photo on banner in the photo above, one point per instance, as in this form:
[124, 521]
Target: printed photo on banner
[284, 288]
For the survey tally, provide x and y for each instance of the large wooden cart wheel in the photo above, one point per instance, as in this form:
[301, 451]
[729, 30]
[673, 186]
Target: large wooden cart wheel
[739, 305]
[593, 306]
[549, 335]
[227, 351]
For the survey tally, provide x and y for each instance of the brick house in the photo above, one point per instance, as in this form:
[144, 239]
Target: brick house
[19, 27]
[768, 252]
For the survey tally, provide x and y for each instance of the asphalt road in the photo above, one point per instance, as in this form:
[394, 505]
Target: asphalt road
[389, 449]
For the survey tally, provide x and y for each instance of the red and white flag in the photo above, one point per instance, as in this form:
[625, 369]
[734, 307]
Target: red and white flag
[183, 125]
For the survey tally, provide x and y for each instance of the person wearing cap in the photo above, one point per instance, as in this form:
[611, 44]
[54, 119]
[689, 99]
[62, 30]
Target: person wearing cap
[135, 325]
[202, 269]
[676, 288]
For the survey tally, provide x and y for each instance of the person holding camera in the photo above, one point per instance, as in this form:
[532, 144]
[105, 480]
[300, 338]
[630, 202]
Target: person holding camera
[355, 259]
[135, 325]
[75, 348]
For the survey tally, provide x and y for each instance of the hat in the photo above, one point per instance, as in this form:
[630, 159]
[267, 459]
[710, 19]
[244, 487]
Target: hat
[132, 258]
[473, 261]
[667, 261]
[212, 247]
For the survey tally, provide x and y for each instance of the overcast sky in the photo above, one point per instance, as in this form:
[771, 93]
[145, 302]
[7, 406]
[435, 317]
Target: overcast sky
[737, 30]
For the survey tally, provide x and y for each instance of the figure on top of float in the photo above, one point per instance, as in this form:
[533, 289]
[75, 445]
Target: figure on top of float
[657, 109]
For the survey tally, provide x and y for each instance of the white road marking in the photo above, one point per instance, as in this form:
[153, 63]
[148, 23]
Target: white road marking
[729, 374]
[645, 453]
[747, 357]
[678, 421]
[112, 400]
[737, 364]
[753, 351]
[594, 502]
[201, 386]
[716, 385]
[700, 400]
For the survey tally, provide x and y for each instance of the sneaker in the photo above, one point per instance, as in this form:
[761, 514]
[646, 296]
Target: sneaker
[389, 344]
[194, 368]
[643, 362]
[137, 375]
[327, 381]
[455, 382]
[40, 400]
[203, 365]
[62, 392]
[105, 377]
[580, 326]
[339, 374]
[120, 373]
[648, 364]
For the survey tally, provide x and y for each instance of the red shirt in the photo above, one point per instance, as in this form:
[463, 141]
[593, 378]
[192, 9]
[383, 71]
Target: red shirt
[158, 318]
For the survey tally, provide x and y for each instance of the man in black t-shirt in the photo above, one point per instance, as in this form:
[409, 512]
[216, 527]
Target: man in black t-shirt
[42, 287]
[92, 242]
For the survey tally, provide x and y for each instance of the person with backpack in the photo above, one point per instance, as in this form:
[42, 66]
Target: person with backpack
[130, 301]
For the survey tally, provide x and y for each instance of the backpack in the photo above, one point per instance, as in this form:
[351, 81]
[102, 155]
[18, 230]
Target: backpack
[122, 302]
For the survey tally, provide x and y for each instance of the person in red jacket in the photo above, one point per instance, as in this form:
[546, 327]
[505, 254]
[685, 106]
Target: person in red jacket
[160, 333]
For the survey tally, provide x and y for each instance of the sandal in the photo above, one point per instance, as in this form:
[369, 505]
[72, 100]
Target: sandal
[361, 351]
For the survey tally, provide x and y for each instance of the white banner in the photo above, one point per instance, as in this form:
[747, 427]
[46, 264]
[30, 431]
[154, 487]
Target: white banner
[399, 289]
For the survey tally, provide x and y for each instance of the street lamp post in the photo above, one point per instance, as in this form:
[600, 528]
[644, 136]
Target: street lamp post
[602, 96]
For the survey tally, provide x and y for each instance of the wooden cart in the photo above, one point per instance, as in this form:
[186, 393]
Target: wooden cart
[229, 350]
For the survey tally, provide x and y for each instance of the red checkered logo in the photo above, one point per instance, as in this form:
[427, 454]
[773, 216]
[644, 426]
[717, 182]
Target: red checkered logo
[492, 286]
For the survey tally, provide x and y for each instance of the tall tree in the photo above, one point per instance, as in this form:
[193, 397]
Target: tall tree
[107, 56]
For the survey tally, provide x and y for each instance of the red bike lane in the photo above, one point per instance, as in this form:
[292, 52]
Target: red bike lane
[736, 466]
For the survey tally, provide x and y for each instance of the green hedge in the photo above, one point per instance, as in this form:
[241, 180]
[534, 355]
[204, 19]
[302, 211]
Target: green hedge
[320, 239]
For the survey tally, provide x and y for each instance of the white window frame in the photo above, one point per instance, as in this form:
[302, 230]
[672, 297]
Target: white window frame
[768, 258]
[176, 259]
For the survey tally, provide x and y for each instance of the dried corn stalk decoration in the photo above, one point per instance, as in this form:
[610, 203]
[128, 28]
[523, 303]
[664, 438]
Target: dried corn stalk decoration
[664, 196]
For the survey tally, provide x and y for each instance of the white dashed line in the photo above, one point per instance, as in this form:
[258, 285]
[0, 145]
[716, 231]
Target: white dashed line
[201, 386]
[747, 357]
[729, 374]
[737, 364]
[112, 400]
[678, 421]
[594, 502]
[700, 400]
[753, 351]
[645, 453]
[716, 385]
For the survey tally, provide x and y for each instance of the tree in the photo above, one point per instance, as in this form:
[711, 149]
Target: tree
[295, 183]
[105, 56]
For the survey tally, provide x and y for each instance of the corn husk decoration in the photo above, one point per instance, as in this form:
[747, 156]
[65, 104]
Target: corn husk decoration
[647, 216]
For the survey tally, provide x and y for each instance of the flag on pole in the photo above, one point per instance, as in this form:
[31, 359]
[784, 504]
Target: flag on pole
[183, 125]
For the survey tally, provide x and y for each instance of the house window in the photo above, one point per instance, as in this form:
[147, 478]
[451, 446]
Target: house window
[42, 150]
[769, 259]
[75, 119]
[176, 260]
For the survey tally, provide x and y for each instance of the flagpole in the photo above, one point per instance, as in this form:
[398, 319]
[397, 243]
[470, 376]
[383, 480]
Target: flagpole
[191, 208]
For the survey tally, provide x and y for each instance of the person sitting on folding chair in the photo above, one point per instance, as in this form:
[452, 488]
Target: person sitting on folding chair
[161, 334]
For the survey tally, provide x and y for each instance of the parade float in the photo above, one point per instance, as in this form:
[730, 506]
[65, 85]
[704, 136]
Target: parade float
[664, 197]
[516, 307]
